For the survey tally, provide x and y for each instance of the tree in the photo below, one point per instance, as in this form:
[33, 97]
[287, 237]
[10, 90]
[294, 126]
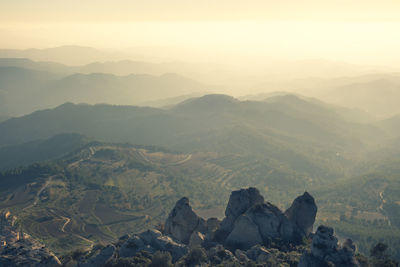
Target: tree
[161, 259]
[378, 251]
[380, 258]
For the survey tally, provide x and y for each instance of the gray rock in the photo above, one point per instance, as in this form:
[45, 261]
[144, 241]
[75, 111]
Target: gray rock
[165, 243]
[272, 223]
[258, 253]
[239, 202]
[212, 226]
[131, 246]
[220, 253]
[152, 241]
[325, 251]
[324, 242]
[183, 221]
[261, 224]
[241, 255]
[302, 213]
[101, 258]
[196, 239]
[150, 236]
[245, 234]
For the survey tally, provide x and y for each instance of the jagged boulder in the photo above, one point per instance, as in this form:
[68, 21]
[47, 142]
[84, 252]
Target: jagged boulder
[260, 224]
[219, 254]
[196, 239]
[326, 252]
[258, 253]
[212, 226]
[241, 255]
[271, 222]
[183, 221]
[131, 246]
[245, 233]
[100, 258]
[239, 202]
[302, 213]
[152, 241]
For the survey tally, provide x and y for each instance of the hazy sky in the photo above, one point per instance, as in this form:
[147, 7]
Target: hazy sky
[353, 30]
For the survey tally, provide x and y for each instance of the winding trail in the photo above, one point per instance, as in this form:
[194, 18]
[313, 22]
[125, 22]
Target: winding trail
[91, 153]
[182, 161]
[67, 221]
[36, 200]
[144, 157]
[383, 201]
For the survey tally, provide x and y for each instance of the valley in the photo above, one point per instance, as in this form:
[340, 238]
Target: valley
[95, 191]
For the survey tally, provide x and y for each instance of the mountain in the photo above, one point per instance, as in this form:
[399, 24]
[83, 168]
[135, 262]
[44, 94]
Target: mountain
[70, 55]
[392, 124]
[120, 68]
[268, 143]
[203, 147]
[45, 66]
[3, 118]
[106, 88]
[39, 150]
[374, 93]
[25, 90]
[204, 116]
[21, 89]
[377, 96]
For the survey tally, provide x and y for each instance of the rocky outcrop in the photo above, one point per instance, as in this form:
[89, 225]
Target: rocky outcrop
[239, 202]
[256, 231]
[24, 253]
[260, 224]
[196, 239]
[183, 221]
[245, 233]
[152, 241]
[302, 213]
[19, 249]
[100, 257]
[219, 254]
[325, 251]
[258, 253]
[249, 221]
[212, 227]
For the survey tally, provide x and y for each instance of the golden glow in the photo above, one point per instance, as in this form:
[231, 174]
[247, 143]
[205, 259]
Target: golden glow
[355, 31]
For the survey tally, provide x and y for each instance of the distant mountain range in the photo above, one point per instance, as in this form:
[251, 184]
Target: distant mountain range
[26, 90]
[72, 55]
[280, 130]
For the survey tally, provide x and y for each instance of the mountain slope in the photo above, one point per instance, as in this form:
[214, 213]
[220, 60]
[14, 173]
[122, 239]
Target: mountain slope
[24, 90]
[39, 150]
[273, 141]
[102, 191]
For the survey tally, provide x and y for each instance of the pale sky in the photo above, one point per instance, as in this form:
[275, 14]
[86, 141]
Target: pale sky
[354, 31]
[215, 10]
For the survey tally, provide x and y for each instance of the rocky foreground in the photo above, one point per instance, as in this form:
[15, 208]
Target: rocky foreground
[253, 233]
[19, 249]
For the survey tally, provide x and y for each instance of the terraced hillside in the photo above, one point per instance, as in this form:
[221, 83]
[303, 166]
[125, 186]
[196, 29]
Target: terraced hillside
[104, 191]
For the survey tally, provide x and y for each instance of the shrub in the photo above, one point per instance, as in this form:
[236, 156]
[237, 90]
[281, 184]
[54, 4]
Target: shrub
[161, 259]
